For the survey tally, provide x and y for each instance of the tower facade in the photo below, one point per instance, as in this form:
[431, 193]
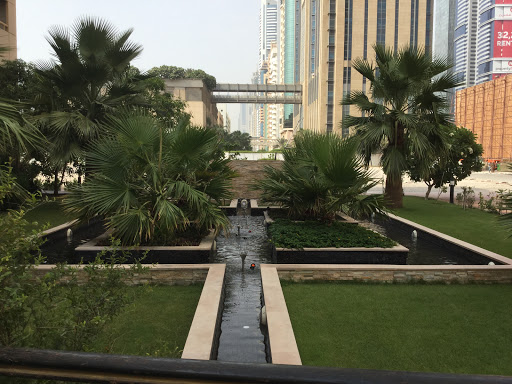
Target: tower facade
[335, 32]
[8, 29]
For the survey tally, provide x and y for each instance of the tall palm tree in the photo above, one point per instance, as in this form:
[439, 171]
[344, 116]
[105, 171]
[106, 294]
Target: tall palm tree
[404, 113]
[320, 176]
[152, 182]
[89, 78]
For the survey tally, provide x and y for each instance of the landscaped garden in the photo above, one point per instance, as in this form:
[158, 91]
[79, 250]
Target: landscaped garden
[433, 328]
[157, 180]
[472, 225]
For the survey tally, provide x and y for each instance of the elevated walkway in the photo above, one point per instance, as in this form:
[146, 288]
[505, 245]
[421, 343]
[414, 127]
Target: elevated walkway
[258, 93]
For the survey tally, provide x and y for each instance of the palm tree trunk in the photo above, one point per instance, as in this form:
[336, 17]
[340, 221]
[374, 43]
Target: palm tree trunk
[394, 192]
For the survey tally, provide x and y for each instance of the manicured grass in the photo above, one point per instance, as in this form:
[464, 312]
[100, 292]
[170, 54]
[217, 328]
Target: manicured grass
[49, 214]
[285, 233]
[156, 324]
[474, 226]
[430, 328]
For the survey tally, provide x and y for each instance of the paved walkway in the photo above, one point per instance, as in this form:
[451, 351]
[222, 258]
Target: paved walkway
[484, 182]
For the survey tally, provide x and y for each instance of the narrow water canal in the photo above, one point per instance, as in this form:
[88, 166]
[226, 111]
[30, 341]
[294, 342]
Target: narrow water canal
[241, 339]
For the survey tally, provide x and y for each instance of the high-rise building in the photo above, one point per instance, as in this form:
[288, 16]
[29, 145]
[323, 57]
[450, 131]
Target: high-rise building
[288, 61]
[272, 118]
[335, 32]
[483, 40]
[268, 27]
[443, 36]
[226, 121]
[466, 14]
[269, 33]
[8, 29]
[494, 40]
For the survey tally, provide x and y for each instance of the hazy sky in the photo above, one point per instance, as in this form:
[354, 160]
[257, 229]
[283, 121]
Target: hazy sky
[218, 36]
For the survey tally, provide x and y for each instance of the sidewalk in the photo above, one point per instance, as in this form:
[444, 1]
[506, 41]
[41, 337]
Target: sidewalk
[484, 182]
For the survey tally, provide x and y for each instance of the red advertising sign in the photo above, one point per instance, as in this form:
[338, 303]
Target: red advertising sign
[503, 38]
[498, 2]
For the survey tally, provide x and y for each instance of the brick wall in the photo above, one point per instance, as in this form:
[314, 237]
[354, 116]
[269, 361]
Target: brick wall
[249, 171]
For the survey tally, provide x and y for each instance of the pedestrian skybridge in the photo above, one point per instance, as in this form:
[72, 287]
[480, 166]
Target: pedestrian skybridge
[258, 93]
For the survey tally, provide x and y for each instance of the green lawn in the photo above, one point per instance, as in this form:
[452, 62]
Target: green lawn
[474, 226]
[430, 328]
[48, 213]
[156, 324]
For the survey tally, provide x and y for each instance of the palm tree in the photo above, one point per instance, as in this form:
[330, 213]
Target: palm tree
[320, 176]
[404, 113]
[88, 79]
[152, 182]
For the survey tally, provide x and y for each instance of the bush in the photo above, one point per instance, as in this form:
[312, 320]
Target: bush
[62, 309]
[320, 176]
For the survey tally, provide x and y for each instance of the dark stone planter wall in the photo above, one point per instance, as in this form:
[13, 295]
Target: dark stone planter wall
[158, 256]
[291, 256]
[473, 258]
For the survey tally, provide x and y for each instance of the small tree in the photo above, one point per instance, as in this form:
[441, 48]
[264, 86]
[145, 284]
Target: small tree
[462, 158]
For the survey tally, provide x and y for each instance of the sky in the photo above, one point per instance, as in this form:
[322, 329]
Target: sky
[217, 36]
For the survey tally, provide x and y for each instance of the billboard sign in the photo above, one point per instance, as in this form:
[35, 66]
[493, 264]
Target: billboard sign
[503, 39]
[503, 12]
[503, 66]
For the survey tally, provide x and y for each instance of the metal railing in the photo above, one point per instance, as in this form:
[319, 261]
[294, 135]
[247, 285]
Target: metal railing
[102, 368]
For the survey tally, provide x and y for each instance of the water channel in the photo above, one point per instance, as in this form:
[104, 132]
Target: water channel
[241, 339]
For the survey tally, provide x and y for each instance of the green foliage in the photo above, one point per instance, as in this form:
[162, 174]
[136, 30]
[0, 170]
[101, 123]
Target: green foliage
[466, 198]
[152, 182]
[173, 73]
[285, 233]
[404, 112]
[164, 106]
[320, 175]
[234, 141]
[17, 81]
[457, 163]
[89, 78]
[38, 311]
[506, 204]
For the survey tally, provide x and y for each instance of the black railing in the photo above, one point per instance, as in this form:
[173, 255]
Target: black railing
[102, 368]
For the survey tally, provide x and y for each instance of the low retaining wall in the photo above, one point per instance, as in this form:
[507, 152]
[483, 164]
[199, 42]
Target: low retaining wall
[499, 274]
[163, 274]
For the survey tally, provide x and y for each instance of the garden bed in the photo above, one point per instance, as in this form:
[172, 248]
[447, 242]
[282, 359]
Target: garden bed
[339, 243]
[430, 328]
[189, 254]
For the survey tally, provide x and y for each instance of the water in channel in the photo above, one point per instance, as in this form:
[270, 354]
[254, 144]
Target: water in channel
[241, 339]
